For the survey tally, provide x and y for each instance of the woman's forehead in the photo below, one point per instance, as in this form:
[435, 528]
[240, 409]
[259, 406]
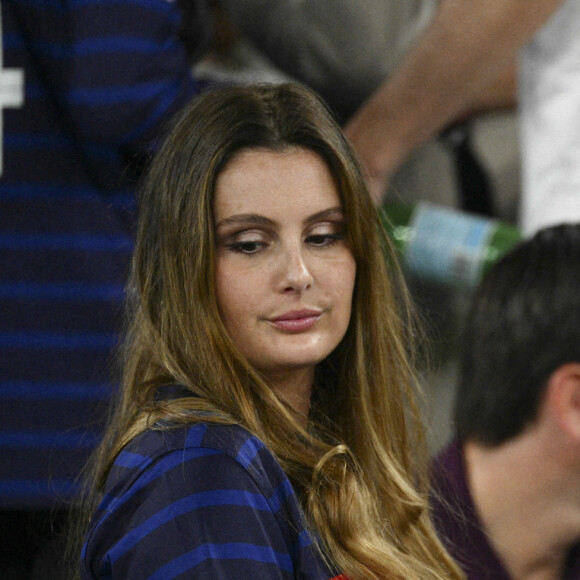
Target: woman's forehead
[260, 180]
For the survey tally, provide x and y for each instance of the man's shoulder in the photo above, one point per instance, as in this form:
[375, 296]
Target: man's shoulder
[448, 471]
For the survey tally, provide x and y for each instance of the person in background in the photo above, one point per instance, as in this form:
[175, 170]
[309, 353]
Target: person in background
[266, 425]
[84, 89]
[466, 49]
[507, 501]
[347, 50]
[343, 51]
[549, 103]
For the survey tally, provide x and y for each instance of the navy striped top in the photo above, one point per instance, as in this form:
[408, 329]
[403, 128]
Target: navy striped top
[203, 501]
[85, 87]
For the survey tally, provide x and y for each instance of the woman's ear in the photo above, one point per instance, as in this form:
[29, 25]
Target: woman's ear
[563, 399]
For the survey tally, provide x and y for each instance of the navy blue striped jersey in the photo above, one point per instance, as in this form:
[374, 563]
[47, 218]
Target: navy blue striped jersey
[85, 88]
[204, 501]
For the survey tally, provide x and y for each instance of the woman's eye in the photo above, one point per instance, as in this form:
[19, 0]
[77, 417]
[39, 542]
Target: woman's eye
[321, 240]
[246, 247]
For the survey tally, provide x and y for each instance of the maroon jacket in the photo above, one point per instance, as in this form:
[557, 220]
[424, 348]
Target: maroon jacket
[459, 527]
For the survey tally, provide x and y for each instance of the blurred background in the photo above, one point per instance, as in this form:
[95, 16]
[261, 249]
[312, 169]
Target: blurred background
[86, 89]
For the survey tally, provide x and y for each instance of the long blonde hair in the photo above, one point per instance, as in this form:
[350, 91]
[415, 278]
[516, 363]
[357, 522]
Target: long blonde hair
[359, 466]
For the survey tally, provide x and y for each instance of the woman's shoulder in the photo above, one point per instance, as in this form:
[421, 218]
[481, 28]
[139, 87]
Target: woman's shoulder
[202, 450]
[229, 439]
[162, 466]
[219, 482]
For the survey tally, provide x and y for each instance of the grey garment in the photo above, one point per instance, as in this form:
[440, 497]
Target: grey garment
[341, 48]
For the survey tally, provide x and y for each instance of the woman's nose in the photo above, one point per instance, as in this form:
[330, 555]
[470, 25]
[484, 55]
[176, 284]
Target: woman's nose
[296, 275]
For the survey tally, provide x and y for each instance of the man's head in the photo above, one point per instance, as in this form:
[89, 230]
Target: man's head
[524, 325]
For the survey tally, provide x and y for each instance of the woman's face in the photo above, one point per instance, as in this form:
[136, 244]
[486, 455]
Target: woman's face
[284, 271]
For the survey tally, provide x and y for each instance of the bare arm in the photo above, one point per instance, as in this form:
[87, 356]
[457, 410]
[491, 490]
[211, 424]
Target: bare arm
[469, 49]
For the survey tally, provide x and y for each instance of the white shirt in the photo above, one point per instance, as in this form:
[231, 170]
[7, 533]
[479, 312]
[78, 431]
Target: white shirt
[550, 122]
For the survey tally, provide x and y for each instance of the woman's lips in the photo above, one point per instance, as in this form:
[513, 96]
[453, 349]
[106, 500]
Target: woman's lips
[297, 320]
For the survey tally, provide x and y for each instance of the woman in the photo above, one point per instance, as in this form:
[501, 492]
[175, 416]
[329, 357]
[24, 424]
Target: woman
[266, 425]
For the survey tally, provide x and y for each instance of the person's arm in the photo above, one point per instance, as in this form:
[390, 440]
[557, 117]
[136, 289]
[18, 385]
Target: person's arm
[133, 74]
[117, 72]
[468, 49]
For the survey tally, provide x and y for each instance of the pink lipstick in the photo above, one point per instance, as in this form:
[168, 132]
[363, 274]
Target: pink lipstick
[297, 320]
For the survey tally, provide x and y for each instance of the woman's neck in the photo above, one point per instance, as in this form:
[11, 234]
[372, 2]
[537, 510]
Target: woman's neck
[295, 388]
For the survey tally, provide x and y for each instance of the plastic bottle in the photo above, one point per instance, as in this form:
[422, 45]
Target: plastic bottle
[445, 245]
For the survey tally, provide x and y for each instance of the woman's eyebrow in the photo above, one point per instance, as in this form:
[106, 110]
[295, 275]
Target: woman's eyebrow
[330, 213]
[260, 220]
[246, 218]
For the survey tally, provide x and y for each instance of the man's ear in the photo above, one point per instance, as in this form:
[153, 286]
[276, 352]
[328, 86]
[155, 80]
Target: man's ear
[563, 398]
